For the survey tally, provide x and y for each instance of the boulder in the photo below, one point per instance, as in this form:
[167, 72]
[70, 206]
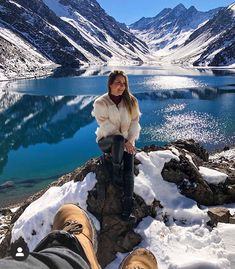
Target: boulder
[185, 174]
[218, 214]
[7, 185]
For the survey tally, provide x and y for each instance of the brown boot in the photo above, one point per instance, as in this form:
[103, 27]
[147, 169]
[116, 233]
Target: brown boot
[75, 220]
[139, 259]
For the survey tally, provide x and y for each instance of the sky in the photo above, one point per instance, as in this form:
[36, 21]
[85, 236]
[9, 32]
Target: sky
[129, 11]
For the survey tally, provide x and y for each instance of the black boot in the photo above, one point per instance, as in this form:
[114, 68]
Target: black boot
[117, 174]
[127, 205]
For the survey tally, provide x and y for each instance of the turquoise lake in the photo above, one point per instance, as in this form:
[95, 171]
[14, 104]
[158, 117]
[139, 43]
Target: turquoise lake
[46, 127]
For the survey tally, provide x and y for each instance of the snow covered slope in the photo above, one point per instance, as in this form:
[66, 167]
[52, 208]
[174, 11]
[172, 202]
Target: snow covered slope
[18, 58]
[68, 32]
[170, 28]
[184, 36]
[219, 35]
[185, 242]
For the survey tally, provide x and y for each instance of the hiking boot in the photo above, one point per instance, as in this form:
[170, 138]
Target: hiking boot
[75, 220]
[139, 259]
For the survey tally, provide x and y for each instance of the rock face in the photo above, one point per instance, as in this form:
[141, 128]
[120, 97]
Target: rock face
[185, 174]
[104, 200]
[67, 33]
[221, 31]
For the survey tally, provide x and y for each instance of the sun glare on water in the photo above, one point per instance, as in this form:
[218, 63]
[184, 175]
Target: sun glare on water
[171, 82]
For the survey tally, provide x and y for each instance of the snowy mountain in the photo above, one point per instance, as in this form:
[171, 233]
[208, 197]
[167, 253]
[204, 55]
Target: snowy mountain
[18, 58]
[39, 35]
[171, 27]
[65, 32]
[183, 35]
[217, 40]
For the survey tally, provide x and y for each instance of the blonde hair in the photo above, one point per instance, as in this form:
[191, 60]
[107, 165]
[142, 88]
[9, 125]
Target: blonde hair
[129, 99]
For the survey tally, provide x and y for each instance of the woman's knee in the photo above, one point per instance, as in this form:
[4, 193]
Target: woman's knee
[118, 139]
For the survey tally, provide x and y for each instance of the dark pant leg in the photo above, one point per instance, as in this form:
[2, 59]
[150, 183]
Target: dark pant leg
[50, 258]
[128, 174]
[58, 250]
[128, 177]
[113, 144]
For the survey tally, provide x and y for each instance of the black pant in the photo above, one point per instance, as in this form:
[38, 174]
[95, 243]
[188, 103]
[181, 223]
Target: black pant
[115, 145]
[58, 250]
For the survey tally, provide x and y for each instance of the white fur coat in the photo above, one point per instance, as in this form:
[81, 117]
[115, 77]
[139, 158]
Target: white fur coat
[114, 119]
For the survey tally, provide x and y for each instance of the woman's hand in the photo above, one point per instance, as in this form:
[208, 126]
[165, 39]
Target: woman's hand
[130, 148]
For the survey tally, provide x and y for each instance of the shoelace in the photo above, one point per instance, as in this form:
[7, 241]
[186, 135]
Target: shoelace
[72, 226]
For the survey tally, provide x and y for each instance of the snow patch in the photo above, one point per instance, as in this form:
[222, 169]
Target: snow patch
[212, 176]
[36, 221]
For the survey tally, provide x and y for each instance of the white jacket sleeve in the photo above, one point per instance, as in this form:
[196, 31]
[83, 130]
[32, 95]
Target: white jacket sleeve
[100, 112]
[134, 129]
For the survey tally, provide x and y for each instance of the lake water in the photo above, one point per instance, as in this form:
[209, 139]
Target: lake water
[46, 128]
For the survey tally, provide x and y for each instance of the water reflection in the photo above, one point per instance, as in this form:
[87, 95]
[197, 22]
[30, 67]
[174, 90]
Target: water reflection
[141, 70]
[28, 120]
[59, 132]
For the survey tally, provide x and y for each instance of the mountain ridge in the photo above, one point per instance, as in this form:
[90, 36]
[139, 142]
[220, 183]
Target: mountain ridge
[38, 36]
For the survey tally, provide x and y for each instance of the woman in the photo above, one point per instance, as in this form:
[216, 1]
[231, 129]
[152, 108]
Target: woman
[117, 113]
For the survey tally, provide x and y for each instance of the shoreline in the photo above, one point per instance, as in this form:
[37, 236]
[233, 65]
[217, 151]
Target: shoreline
[49, 71]
[18, 201]
[14, 202]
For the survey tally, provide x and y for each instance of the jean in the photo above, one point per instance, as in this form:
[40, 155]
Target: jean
[58, 250]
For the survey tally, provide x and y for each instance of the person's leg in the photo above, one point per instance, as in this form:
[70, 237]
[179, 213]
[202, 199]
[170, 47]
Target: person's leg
[139, 258]
[74, 220]
[72, 244]
[114, 144]
[128, 178]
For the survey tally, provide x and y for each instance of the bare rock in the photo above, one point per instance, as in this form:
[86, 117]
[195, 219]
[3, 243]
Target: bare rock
[218, 214]
[193, 147]
[189, 181]
[232, 219]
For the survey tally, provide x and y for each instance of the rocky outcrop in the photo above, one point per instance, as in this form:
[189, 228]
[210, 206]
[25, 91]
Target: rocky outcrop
[185, 174]
[104, 200]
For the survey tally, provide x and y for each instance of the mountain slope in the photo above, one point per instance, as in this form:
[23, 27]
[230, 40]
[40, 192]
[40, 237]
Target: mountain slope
[70, 33]
[221, 32]
[212, 44]
[170, 28]
[108, 36]
[18, 58]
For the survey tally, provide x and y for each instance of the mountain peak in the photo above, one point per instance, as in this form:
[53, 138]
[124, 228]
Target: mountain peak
[180, 7]
[192, 8]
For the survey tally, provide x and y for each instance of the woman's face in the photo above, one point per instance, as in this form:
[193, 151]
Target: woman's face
[118, 86]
